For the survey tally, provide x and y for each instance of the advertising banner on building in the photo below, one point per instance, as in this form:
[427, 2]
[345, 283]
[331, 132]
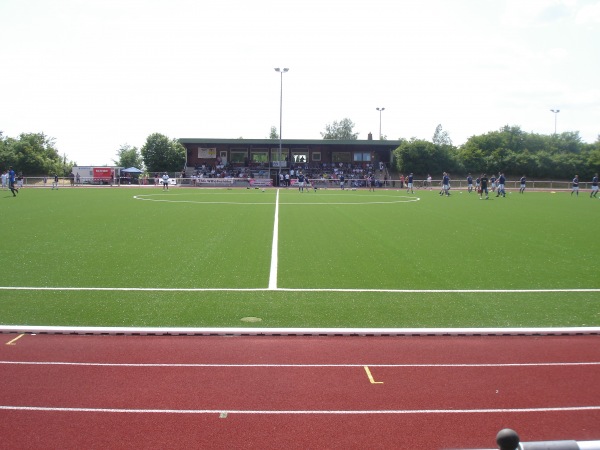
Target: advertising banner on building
[210, 153]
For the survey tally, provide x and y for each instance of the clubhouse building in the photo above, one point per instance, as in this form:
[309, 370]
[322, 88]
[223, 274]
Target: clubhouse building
[269, 157]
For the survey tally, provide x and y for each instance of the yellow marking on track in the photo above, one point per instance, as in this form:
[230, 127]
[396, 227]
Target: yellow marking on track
[371, 379]
[12, 342]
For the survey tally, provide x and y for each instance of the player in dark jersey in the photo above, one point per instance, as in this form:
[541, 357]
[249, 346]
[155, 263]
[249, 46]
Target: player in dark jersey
[501, 181]
[469, 183]
[523, 183]
[300, 182]
[483, 186]
[594, 186]
[445, 185]
[575, 185]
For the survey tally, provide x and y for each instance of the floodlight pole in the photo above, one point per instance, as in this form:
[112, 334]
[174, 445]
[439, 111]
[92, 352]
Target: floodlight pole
[555, 111]
[380, 111]
[281, 72]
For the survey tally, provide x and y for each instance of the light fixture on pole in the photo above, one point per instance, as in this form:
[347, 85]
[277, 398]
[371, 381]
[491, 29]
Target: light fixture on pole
[281, 72]
[555, 111]
[380, 111]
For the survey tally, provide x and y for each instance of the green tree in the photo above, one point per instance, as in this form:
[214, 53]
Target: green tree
[162, 154]
[33, 154]
[128, 156]
[423, 157]
[593, 161]
[342, 131]
[273, 134]
[441, 137]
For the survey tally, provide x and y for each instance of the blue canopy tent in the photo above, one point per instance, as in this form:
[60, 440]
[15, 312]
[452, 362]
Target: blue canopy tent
[132, 173]
[132, 170]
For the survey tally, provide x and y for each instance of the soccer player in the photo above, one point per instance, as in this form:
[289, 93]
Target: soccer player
[11, 181]
[165, 181]
[55, 182]
[445, 185]
[523, 182]
[469, 183]
[575, 187]
[483, 187]
[493, 182]
[429, 181]
[371, 181]
[300, 182]
[342, 182]
[501, 181]
[409, 184]
[594, 186]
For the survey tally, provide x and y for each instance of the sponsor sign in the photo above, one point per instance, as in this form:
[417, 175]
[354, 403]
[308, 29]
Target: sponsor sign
[210, 153]
[102, 173]
[257, 182]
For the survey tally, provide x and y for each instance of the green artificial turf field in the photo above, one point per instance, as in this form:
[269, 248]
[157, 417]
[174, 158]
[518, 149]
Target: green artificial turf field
[203, 258]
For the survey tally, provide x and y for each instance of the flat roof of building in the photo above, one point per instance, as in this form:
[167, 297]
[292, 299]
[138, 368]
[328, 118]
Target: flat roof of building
[325, 142]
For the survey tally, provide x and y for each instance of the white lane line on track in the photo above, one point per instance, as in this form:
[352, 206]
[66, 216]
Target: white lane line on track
[299, 412]
[300, 366]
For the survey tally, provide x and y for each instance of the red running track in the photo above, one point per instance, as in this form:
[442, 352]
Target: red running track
[295, 392]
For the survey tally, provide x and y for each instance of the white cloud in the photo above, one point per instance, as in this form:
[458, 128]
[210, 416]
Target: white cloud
[589, 14]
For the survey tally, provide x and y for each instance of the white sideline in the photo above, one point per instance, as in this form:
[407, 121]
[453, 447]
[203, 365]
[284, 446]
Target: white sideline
[393, 291]
[241, 331]
[274, 247]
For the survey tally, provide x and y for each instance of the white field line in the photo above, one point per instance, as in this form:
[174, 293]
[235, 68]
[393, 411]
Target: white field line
[399, 291]
[299, 366]
[300, 412]
[274, 247]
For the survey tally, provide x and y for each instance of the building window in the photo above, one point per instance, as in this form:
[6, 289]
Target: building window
[300, 156]
[341, 157]
[362, 156]
[316, 156]
[276, 161]
[238, 156]
[260, 156]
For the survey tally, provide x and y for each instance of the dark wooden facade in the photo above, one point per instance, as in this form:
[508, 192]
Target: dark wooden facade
[266, 153]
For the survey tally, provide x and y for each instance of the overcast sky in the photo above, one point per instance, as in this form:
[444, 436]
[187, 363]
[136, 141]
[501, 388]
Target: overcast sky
[98, 74]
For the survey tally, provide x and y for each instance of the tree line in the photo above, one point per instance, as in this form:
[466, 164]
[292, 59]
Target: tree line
[509, 149]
